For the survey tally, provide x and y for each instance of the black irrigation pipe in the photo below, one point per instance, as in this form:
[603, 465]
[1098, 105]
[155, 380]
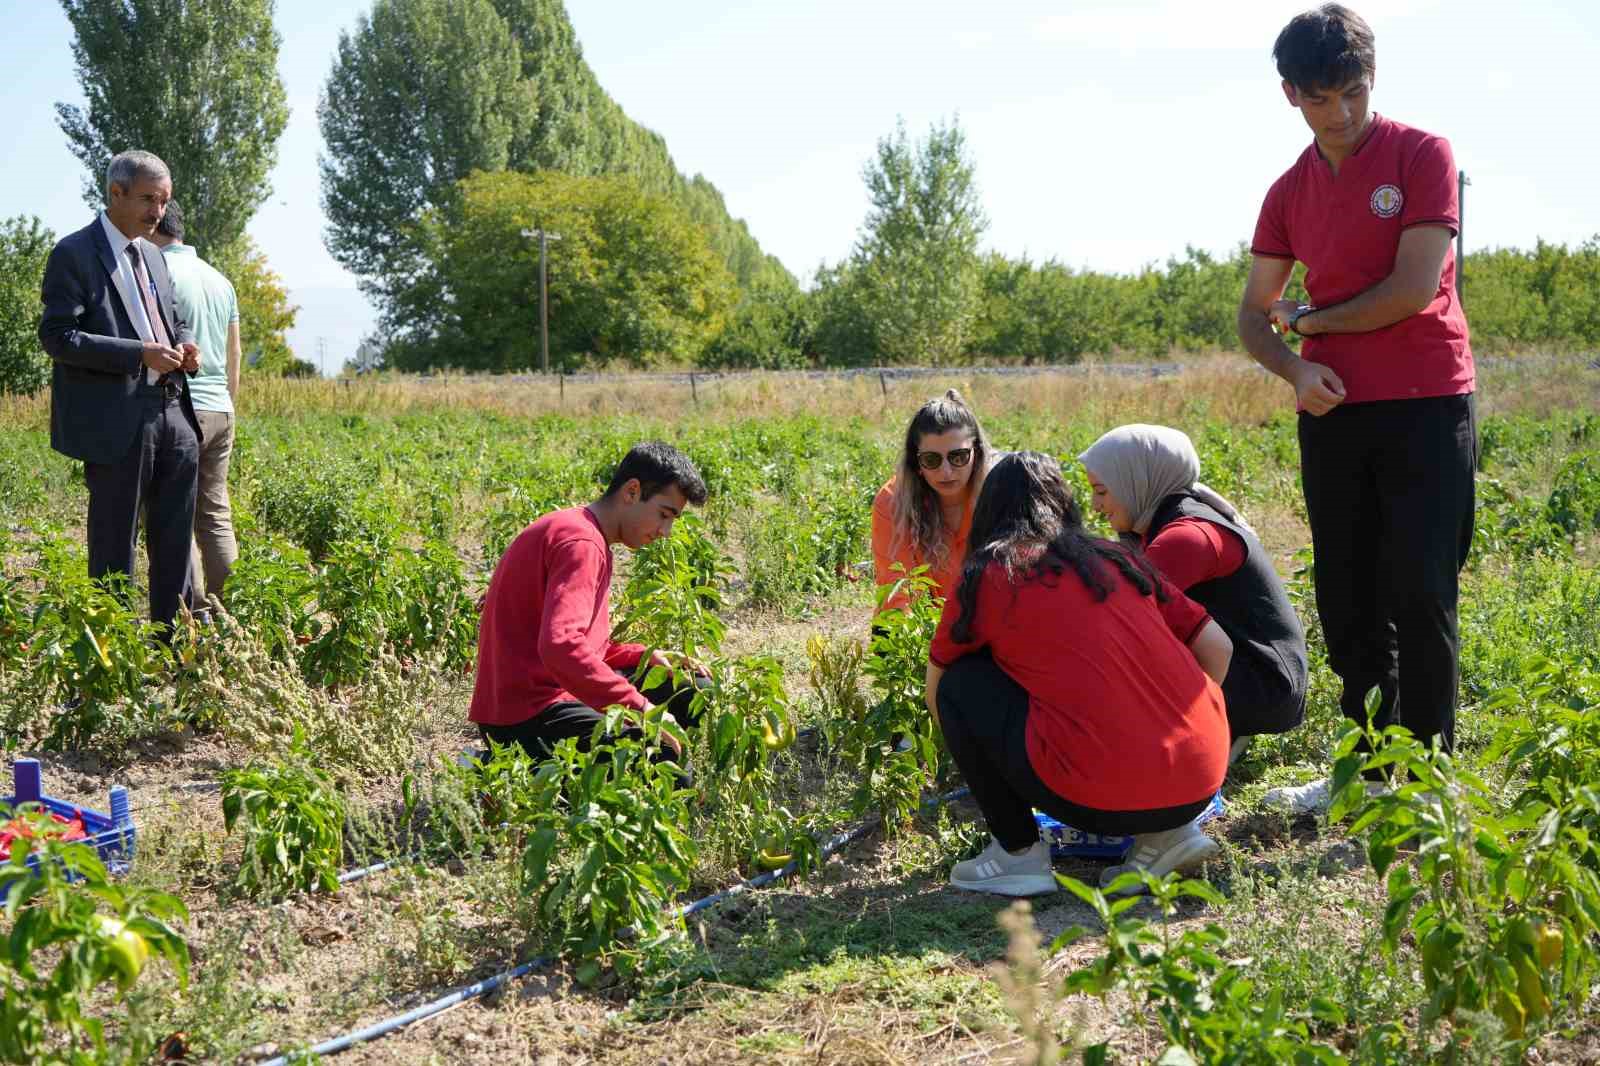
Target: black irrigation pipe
[489, 984]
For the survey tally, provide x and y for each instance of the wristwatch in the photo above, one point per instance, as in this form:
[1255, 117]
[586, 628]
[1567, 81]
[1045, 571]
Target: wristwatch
[1297, 314]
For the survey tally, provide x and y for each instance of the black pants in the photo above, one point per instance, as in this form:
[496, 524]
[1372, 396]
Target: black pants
[984, 715]
[540, 734]
[1389, 494]
[1261, 694]
[159, 476]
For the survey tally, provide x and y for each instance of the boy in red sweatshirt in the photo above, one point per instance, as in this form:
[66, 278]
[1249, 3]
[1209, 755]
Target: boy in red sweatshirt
[547, 667]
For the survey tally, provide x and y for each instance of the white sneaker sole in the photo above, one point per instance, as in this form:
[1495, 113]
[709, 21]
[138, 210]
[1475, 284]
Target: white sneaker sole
[1010, 885]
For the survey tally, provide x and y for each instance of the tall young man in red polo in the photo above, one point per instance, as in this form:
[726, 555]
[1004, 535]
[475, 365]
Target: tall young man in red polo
[1384, 381]
[547, 667]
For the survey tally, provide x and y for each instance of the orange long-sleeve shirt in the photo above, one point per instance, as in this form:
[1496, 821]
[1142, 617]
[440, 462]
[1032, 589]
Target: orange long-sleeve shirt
[886, 552]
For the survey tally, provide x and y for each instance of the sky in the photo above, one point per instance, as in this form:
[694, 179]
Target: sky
[1106, 134]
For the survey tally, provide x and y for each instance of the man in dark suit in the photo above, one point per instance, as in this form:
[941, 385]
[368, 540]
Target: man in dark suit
[119, 393]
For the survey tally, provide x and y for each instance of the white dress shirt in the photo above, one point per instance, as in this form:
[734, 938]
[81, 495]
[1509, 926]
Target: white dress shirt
[119, 252]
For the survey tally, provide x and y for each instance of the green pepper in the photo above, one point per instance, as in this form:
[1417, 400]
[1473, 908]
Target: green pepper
[125, 948]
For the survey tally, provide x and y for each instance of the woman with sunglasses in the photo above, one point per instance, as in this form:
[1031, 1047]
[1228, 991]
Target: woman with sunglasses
[1068, 675]
[1145, 481]
[921, 517]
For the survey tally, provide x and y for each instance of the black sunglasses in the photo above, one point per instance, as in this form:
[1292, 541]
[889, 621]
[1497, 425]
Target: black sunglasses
[959, 457]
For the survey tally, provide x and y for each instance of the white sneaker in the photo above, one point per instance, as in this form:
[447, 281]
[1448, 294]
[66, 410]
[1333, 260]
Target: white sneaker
[999, 872]
[1160, 854]
[1237, 749]
[1313, 797]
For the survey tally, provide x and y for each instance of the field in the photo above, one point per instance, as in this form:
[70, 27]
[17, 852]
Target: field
[316, 728]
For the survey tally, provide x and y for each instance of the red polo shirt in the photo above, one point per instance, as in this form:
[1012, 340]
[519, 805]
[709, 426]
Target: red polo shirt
[1120, 715]
[1191, 550]
[545, 635]
[1346, 230]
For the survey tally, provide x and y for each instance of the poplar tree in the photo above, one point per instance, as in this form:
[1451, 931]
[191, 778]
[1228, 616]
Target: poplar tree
[917, 255]
[194, 81]
[422, 93]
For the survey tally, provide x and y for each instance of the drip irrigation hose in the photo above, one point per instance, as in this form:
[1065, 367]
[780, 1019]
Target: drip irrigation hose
[427, 1010]
[488, 984]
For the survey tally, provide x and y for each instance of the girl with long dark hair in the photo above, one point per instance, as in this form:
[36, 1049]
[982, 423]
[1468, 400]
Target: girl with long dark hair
[1068, 675]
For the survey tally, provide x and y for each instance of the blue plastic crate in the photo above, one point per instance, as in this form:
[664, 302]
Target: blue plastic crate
[1067, 842]
[111, 835]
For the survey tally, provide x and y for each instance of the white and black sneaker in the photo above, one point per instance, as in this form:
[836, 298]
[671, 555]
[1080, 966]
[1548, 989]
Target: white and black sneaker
[1313, 797]
[1001, 873]
[1160, 854]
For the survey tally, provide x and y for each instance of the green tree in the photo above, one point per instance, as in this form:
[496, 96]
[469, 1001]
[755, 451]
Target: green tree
[581, 130]
[423, 93]
[24, 246]
[771, 329]
[918, 248]
[845, 334]
[194, 81]
[632, 280]
[265, 313]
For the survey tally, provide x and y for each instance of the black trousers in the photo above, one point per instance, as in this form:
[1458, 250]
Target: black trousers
[159, 476]
[1390, 496]
[540, 734]
[984, 715]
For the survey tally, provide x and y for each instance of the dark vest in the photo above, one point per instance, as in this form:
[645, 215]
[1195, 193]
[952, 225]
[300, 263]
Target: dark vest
[1266, 683]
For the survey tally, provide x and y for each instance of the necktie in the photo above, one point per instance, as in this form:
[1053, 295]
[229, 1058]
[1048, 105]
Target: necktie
[141, 279]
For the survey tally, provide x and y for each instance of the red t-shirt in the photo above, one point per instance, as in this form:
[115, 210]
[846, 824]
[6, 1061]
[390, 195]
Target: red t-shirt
[1121, 717]
[545, 635]
[1346, 230]
[1191, 550]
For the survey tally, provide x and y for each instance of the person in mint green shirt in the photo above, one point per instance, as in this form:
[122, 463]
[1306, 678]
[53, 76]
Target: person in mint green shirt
[206, 300]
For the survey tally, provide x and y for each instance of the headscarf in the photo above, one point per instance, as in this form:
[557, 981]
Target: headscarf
[1142, 465]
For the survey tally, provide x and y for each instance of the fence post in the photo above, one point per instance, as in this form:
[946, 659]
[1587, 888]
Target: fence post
[693, 391]
[884, 385]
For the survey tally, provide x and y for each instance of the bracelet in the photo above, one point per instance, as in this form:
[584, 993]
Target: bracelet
[1296, 315]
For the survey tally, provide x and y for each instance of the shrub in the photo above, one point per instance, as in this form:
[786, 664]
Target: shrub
[25, 244]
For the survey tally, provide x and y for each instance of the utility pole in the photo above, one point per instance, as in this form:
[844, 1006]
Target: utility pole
[1462, 181]
[545, 237]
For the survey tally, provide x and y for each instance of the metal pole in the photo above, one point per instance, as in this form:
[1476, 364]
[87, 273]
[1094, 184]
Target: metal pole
[1462, 181]
[544, 293]
[544, 305]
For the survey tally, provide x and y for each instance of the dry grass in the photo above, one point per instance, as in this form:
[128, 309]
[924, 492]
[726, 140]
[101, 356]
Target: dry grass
[1228, 386]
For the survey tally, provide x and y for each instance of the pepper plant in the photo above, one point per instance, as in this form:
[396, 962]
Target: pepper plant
[67, 930]
[615, 851]
[293, 818]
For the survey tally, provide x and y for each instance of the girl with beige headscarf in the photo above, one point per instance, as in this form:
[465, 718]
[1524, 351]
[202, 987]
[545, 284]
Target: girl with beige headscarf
[1145, 481]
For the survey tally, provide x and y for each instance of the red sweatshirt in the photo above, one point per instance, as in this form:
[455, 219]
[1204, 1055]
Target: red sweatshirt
[545, 635]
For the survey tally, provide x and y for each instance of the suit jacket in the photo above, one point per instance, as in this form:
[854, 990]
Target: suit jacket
[88, 331]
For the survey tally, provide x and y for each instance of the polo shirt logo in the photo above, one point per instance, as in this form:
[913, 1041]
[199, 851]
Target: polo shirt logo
[1386, 201]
